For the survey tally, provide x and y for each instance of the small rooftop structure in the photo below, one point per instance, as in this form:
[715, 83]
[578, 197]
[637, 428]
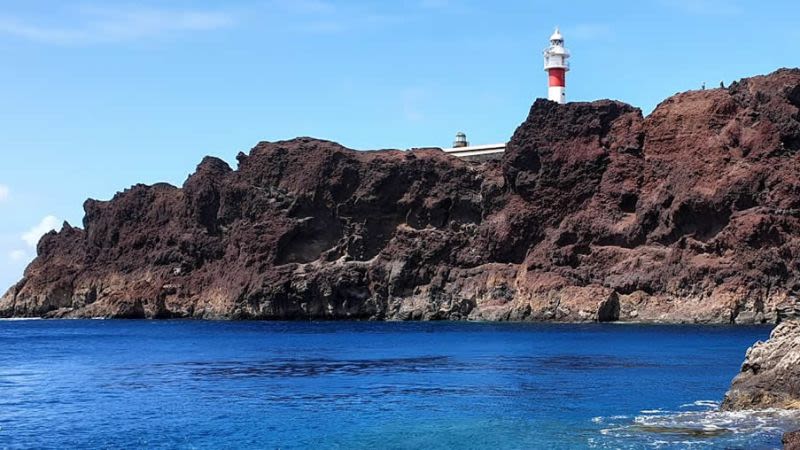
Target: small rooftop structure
[462, 149]
[478, 152]
[461, 140]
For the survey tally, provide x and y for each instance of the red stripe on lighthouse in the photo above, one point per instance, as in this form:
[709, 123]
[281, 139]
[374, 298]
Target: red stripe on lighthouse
[558, 77]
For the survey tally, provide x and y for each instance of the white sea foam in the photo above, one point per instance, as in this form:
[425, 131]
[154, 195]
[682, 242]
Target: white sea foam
[601, 419]
[711, 404]
[705, 426]
[19, 319]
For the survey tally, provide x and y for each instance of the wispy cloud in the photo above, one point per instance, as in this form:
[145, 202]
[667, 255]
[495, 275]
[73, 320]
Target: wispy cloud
[32, 236]
[325, 17]
[5, 192]
[17, 255]
[707, 7]
[95, 25]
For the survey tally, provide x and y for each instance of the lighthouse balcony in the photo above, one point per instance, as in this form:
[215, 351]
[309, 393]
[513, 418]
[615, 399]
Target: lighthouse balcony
[556, 64]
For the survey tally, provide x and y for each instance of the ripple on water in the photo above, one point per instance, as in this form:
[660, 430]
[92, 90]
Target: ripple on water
[283, 368]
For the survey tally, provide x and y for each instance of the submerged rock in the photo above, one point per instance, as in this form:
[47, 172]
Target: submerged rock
[595, 213]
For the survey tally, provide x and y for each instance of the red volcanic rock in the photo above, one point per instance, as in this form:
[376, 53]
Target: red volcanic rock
[595, 213]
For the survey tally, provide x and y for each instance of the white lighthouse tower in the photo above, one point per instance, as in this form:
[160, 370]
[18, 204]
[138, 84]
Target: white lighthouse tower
[556, 64]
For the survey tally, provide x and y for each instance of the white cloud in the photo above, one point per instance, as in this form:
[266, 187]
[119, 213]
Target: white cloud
[5, 192]
[17, 255]
[32, 236]
[102, 25]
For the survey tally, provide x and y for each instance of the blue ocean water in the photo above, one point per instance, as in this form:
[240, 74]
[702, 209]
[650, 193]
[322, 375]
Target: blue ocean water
[210, 385]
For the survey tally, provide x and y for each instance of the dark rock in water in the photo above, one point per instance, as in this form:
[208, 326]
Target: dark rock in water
[791, 441]
[770, 375]
[594, 214]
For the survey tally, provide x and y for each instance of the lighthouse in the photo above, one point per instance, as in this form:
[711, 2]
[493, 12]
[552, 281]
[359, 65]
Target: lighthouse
[556, 64]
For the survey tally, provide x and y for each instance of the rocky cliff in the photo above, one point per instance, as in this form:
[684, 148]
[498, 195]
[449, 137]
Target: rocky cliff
[595, 213]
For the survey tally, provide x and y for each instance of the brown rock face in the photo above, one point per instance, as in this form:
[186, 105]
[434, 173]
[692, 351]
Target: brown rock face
[594, 214]
[770, 376]
[791, 441]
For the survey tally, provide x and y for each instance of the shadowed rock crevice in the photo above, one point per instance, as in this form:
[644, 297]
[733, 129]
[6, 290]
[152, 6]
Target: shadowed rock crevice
[309, 240]
[699, 220]
[627, 202]
[609, 309]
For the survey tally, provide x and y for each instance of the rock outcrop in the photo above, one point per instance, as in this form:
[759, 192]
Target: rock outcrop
[770, 375]
[791, 441]
[595, 213]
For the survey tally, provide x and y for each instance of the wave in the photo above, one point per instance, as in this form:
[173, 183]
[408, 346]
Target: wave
[702, 403]
[698, 424]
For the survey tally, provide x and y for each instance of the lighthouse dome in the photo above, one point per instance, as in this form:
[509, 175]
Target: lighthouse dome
[461, 140]
[557, 36]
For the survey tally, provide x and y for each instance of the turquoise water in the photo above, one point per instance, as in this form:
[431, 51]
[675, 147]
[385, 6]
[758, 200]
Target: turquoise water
[182, 384]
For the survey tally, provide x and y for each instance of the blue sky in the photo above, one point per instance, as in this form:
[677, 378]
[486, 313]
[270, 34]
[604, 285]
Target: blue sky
[98, 95]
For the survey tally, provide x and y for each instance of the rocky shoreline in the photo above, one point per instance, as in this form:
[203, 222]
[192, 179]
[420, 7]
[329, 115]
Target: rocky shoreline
[595, 213]
[770, 375]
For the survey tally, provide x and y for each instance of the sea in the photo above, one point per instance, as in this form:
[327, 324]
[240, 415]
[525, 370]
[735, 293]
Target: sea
[370, 385]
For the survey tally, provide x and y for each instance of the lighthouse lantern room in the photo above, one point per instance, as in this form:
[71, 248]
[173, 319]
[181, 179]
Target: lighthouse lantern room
[556, 64]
